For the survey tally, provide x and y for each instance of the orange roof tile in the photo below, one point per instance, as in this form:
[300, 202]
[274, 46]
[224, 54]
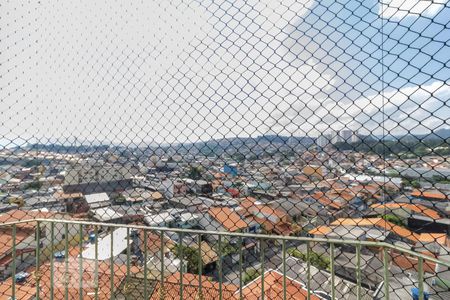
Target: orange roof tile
[273, 288]
[21, 215]
[228, 218]
[191, 291]
[418, 208]
[6, 238]
[193, 279]
[429, 194]
[440, 238]
[321, 230]
[379, 222]
[73, 278]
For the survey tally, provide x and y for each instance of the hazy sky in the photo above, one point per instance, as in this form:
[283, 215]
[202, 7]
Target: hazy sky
[158, 72]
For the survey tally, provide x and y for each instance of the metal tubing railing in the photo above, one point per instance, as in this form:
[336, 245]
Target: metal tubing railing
[110, 229]
[355, 242]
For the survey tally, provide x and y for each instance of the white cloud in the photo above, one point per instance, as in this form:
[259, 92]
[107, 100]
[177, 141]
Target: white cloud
[399, 9]
[169, 71]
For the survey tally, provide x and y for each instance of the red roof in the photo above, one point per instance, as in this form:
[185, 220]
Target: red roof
[273, 288]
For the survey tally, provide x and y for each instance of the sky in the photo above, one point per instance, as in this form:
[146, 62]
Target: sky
[151, 72]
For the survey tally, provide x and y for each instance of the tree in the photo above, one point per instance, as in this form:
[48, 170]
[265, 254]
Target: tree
[190, 255]
[35, 185]
[393, 219]
[317, 260]
[250, 275]
[195, 173]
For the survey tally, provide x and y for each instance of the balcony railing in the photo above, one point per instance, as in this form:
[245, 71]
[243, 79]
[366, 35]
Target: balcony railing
[74, 259]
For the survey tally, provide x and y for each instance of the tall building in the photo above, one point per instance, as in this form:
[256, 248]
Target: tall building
[336, 138]
[346, 135]
[355, 137]
[323, 140]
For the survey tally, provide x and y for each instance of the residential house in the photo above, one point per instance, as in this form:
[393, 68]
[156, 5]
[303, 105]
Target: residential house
[404, 210]
[321, 281]
[66, 277]
[378, 229]
[272, 220]
[25, 238]
[134, 287]
[272, 285]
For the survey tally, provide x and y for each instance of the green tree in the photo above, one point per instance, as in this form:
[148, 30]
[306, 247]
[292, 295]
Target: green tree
[317, 260]
[195, 173]
[190, 255]
[250, 275]
[393, 219]
[35, 185]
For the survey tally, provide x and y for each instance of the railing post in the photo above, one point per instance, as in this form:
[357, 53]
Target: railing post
[283, 249]
[358, 271]
[308, 270]
[96, 262]
[200, 267]
[181, 263]
[262, 248]
[127, 285]
[420, 271]
[52, 251]
[220, 267]
[13, 271]
[66, 261]
[80, 261]
[111, 251]
[333, 289]
[37, 275]
[386, 273]
[162, 288]
[240, 266]
[145, 264]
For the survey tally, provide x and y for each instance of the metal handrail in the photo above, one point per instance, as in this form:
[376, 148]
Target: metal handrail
[421, 258]
[242, 235]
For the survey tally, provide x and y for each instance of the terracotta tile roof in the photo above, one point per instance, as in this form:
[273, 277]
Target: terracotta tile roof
[171, 290]
[20, 215]
[208, 282]
[321, 230]
[381, 223]
[73, 288]
[429, 194]
[229, 219]
[6, 239]
[417, 208]
[440, 238]
[273, 288]
[64, 196]
[23, 292]
[328, 202]
[154, 243]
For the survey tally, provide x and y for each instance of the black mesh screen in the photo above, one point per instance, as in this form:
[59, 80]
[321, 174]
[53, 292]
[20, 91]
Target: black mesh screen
[323, 119]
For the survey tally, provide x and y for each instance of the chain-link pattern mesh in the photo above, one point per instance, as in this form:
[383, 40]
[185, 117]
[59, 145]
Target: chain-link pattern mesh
[325, 119]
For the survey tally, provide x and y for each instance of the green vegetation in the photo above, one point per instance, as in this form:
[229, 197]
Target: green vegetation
[408, 182]
[227, 249]
[190, 255]
[35, 185]
[393, 219]
[440, 179]
[120, 199]
[316, 260]
[195, 173]
[250, 275]
[32, 163]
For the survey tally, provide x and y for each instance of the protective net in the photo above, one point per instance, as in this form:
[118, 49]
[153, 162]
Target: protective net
[225, 149]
